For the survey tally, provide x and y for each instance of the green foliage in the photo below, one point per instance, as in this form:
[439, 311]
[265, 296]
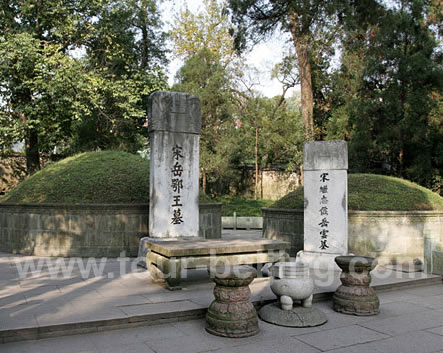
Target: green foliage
[209, 28]
[387, 97]
[38, 79]
[243, 207]
[39, 89]
[314, 28]
[293, 200]
[204, 76]
[124, 56]
[275, 127]
[49, 98]
[371, 192]
[91, 177]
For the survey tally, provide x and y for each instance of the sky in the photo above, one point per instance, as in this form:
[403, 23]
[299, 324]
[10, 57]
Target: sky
[263, 56]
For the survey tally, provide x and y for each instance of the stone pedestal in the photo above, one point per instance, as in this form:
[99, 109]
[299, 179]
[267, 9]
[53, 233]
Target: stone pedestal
[231, 314]
[142, 252]
[296, 317]
[325, 193]
[355, 296]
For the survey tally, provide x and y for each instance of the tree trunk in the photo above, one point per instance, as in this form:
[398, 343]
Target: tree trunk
[31, 138]
[256, 163]
[32, 151]
[204, 180]
[401, 162]
[301, 43]
[145, 36]
[142, 13]
[261, 184]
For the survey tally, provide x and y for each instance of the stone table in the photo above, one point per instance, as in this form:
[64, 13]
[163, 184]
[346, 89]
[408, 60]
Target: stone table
[169, 259]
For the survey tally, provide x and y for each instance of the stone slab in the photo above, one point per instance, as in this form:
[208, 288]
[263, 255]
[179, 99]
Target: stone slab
[175, 307]
[437, 262]
[341, 337]
[130, 289]
[174, 127]
[297, 317]
[174, 112]
[405, 323]
[325, 155]
[174, 188]
[325, 201]
[415, 342]
[436, 330]
[194, 247]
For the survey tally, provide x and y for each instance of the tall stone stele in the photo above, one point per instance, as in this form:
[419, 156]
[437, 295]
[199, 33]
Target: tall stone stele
[326, 206]
[174, 127]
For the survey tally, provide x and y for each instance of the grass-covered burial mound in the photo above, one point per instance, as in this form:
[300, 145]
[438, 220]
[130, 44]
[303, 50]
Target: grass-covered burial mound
[91, 204]
[371, 192]
[91, 177]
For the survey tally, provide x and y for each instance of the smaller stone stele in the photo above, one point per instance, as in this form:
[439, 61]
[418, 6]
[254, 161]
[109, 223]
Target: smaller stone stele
[291, 282]
[231, 314]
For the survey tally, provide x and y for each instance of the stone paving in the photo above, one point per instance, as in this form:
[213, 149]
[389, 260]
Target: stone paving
[411, 321]
[42, 305]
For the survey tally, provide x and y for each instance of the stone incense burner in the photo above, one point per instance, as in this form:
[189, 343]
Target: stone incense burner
[291, 282]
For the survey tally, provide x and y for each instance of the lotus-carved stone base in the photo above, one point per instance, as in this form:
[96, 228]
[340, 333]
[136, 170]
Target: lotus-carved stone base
[355, 296]
[231, 314]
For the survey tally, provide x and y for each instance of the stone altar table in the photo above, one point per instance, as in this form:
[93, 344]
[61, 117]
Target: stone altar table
[169, 259]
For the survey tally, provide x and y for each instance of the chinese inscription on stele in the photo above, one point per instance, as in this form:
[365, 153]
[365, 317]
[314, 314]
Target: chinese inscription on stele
[177, 184]
[323, 212]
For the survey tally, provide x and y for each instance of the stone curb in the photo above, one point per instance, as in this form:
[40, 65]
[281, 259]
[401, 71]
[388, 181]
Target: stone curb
[34, 333]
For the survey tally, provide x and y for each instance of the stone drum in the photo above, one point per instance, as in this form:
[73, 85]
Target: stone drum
[231, 314]
[355, 296]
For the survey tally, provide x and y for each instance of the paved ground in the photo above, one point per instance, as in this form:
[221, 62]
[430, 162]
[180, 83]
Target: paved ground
[411, 320]
[62, 293]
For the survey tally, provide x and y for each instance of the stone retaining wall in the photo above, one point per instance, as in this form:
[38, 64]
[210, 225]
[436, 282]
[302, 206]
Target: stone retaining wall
[391, 236]
[242, 222]
[286, 225]
[84, 230]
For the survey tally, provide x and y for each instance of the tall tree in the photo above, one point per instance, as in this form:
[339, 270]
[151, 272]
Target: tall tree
[204, 76]
[272, 134]
[48, 97]
[125, 53]
[204, 42]
[389, 86]
[35, 38]
[209, 28]
[311, 26]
